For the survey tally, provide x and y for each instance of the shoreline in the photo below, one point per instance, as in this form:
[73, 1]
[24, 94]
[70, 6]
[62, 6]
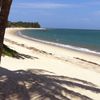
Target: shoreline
[60, 56]
[70, 47]
[58, 61]
[14, 32]
[49, 48]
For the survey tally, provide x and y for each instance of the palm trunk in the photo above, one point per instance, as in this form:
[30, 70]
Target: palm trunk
[5, 8]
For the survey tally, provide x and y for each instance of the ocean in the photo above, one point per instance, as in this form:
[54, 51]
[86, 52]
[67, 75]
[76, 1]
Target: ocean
[78, 39]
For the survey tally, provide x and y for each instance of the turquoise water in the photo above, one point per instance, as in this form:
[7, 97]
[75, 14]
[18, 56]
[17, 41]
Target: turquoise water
[88, 40]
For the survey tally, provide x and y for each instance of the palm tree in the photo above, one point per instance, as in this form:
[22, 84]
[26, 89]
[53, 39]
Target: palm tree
[4, 13]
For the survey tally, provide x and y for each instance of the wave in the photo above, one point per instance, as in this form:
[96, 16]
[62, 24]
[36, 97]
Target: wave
[75, 48]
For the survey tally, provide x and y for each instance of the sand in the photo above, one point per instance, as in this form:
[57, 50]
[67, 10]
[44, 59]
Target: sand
[60, 61]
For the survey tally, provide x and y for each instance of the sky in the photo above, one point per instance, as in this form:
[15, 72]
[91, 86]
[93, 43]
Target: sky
[80, 14]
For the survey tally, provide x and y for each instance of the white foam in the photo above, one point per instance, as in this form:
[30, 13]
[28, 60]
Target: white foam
[59, 44]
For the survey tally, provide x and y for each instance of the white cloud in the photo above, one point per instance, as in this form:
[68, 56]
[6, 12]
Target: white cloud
[51, 5]
[45, 5]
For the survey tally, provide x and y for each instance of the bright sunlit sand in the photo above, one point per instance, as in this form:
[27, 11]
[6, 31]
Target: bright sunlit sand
[79, 68]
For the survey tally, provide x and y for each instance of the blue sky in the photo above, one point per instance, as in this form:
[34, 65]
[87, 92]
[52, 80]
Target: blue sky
[58, 13]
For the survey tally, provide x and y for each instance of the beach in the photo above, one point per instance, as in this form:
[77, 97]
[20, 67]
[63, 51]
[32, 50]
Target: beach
[59, 61]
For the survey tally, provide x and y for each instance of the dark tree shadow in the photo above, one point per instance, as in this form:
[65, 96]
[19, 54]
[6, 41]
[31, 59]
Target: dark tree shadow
[41, 85]
[12, 53]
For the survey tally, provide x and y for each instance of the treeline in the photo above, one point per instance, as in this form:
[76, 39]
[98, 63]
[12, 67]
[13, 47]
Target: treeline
[24, 24]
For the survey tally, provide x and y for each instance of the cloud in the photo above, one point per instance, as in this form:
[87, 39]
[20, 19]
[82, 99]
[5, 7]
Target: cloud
[51, 5]
[45, 5]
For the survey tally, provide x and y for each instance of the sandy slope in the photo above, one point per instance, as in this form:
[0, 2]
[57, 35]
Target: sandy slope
[60, 61]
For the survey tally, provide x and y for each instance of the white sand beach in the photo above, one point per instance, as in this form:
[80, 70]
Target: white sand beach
[59, 61]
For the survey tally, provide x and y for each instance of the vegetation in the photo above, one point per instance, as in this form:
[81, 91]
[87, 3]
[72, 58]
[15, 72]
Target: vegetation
[24, 24]
[7, 51]
[12, 53]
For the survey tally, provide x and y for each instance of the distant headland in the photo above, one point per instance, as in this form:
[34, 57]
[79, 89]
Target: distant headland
[24, 24]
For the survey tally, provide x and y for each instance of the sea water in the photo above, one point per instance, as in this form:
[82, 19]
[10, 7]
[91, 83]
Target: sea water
[78, 39]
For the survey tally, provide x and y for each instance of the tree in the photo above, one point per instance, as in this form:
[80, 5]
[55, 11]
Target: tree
[5, 6]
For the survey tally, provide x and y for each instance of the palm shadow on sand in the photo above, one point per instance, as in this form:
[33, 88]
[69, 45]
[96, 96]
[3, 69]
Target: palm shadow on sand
[12, 53]
[36, 84]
